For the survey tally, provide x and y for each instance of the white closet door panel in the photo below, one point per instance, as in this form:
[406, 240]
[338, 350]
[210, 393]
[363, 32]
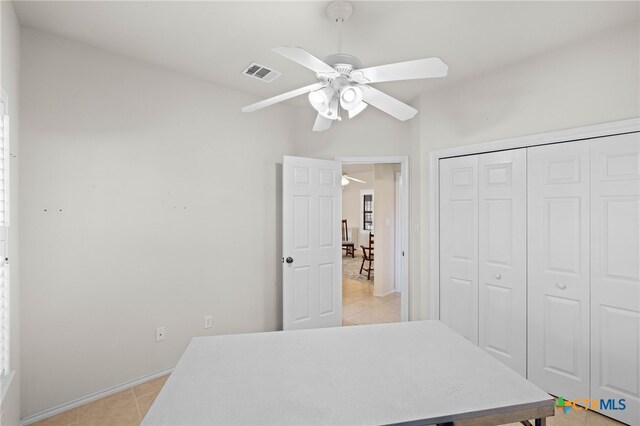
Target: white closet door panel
[615, 273]
[459, 245]
[503, 256]
[558, 268]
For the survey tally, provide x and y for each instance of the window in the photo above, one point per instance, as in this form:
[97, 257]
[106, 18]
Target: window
[366, 210]
[4, 223]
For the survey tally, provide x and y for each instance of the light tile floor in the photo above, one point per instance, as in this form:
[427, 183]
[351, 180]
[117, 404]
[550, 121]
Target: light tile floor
[125, 408]
[360, 306]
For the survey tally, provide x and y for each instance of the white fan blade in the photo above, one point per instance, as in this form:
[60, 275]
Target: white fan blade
[390, 105]
[282, 97]
[321, 124]
[410, 70]
[306, 59]
[354, 179]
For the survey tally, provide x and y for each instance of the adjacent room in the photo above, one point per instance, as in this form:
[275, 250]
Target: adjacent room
[372, 201]
[317, 212]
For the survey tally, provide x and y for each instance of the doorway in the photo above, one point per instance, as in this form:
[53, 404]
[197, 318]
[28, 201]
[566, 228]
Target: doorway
[375, 229]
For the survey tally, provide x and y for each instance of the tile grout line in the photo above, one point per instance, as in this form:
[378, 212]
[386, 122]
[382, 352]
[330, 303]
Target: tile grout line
[135, 399]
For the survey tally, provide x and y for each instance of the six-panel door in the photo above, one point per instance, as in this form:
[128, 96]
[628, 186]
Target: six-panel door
[311, 243]
[558, 268]
[575, 208]
[615, 274]
[459, 245]
[502, 256]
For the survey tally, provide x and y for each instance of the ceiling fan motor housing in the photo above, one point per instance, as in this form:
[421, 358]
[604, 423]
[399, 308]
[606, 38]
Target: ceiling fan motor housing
[343, 61]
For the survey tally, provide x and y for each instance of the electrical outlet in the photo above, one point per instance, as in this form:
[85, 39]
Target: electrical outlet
[208, 321]
[161, 334]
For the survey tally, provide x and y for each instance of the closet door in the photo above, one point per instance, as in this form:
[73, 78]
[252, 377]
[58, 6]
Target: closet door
[459, 245]
[558, 268]
[615, 273]
[502, 184]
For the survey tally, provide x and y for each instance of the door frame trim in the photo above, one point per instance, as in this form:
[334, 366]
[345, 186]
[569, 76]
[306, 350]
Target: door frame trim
[403, 160]
[565, 135]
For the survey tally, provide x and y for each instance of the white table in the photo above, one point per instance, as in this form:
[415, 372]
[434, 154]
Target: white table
[413, 372]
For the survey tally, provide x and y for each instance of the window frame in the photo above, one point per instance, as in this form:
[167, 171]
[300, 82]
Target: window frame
[363, 193]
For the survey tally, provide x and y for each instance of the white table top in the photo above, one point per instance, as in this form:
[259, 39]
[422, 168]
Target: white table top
[372, 374]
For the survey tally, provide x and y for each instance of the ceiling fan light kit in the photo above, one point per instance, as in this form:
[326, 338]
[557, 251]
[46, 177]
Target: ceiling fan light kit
[343, 82]
[357, 110]
[320, 99]
[351, 98]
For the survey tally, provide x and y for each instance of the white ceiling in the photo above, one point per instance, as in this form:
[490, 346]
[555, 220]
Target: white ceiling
[358, 168]
[217, 40]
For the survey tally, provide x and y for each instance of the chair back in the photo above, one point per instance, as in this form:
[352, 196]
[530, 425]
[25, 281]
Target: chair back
[345, 232]
[367, 252]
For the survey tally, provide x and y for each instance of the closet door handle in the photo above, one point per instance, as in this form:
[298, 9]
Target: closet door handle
[561, 286]
[498, 276]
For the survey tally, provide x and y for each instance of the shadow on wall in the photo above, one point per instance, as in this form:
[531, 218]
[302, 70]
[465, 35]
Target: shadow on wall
[277, 254]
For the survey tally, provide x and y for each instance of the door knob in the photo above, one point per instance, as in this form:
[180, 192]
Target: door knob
[498, 276]
[289, 260]
[561, 286]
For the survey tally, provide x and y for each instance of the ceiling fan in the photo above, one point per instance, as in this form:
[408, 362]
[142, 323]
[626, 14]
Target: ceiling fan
[343, 82]
[346, 178]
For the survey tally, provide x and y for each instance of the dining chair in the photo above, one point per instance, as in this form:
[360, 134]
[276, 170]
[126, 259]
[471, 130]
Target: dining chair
[347, 244]
[367, 253]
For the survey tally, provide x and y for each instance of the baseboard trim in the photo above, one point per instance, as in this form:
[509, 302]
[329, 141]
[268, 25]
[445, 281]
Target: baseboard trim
[91, 397]
[385, 294]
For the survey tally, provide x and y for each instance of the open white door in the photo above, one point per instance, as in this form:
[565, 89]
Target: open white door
[311, 243]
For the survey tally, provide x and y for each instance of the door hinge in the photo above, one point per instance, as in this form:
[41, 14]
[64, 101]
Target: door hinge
[402, 253]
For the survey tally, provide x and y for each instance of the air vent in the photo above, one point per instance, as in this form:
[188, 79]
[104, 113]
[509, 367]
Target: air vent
[261, 73]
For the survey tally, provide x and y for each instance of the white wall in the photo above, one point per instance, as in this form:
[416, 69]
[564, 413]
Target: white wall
[370, 133]
[416, 208]
[148, 200]
[10, 82]
[585, 83]
[385, 204]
